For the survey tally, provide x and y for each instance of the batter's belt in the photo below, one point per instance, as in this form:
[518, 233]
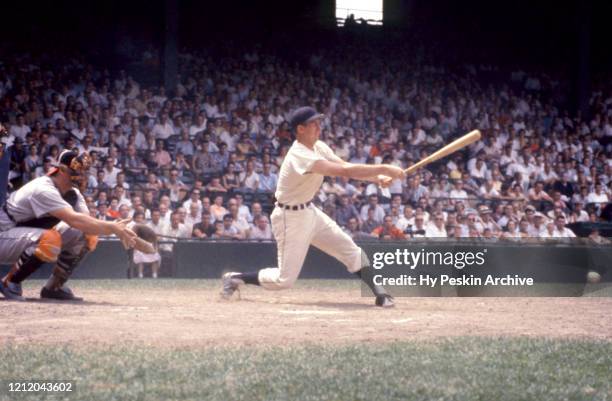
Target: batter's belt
[294, 207]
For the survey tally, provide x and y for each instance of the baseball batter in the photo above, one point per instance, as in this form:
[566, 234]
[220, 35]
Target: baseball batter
[46, 221]
[297, 223]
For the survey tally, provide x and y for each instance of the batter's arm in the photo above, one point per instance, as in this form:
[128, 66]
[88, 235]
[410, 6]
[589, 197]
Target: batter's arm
[363, 172]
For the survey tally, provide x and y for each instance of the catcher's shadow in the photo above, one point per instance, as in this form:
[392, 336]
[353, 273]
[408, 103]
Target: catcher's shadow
[65, 302]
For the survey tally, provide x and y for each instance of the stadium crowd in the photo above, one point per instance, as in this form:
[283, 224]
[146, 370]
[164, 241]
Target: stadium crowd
[202, 162]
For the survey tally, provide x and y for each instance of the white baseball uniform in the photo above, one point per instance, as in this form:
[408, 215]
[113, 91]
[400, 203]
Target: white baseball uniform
[296, 230]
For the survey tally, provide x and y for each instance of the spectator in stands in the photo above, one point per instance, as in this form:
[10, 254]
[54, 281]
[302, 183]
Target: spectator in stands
[194, 198]
[436, 228]
[537, 194]
[215, 185]
[346, 210]
[560, 230]
[511, 231]
[165, 213]
[163, 129]
[162, 157]
[387, 230]
[229, 230]
[243, 210]
[185, 145]
[415, 189]
[231, 179]
[598, 195]
[458, 192]
[525, 140]
[406, 221]
[370, 222]
[260, 230]
[267, 180]
[203, 162]
[240, 221]
[249, 179]
[154, 183]
[175, 186]
[597, 238]
[205, 228]
[103, 212]
[172, 233]
[140, 259]
[193, 217]
[352, 228]
[379, 211]
[578, 215]
[419, 226]
[217, 210]
[538, 227]
[182, 165]
[110, 172]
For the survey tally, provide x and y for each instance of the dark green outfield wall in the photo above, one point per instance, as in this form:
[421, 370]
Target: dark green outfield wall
[550, 263]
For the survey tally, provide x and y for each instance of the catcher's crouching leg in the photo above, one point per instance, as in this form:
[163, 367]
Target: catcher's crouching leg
[67, 262]
[45, 250]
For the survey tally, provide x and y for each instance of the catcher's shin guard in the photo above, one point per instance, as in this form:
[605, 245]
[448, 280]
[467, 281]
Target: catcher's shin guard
[46, 251]
[63, 269]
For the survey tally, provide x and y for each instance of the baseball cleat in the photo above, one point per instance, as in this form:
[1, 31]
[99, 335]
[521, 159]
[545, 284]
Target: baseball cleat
[12, 291]
[385, 301]
[63, 294]
[230, 285]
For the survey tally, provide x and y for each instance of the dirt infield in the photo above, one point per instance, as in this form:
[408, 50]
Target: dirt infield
[193, 315]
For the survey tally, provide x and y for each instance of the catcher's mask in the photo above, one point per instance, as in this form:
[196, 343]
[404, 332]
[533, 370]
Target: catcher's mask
[75, 165]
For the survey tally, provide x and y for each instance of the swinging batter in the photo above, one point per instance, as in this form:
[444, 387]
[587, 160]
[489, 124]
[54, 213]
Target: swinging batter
[297, 223]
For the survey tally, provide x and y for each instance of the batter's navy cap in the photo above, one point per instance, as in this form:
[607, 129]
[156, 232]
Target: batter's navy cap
[303, 115]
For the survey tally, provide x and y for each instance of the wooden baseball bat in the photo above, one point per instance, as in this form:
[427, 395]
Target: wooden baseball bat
[452, 147]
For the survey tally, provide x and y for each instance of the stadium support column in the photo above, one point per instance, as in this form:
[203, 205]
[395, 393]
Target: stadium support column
[170, 47]
[583, 70]
[397, 14]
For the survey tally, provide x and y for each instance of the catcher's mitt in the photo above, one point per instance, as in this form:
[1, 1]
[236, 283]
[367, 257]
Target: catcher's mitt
[147, 239]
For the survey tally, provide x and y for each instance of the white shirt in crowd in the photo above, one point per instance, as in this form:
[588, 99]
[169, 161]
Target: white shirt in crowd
[432, 231]
[163, 131]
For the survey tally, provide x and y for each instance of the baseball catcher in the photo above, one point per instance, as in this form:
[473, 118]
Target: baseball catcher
[47, 221]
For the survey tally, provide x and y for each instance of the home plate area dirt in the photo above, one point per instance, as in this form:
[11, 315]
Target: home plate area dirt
[194, 315]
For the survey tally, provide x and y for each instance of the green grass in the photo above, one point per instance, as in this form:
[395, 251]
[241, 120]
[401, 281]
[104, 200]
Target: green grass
[457, 369]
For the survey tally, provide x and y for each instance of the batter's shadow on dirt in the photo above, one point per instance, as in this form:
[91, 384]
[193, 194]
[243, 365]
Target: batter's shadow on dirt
[332, 305]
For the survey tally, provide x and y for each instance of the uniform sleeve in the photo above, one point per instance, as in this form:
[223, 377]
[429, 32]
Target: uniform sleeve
[45, 201]
[304, 159]
[328, 153]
